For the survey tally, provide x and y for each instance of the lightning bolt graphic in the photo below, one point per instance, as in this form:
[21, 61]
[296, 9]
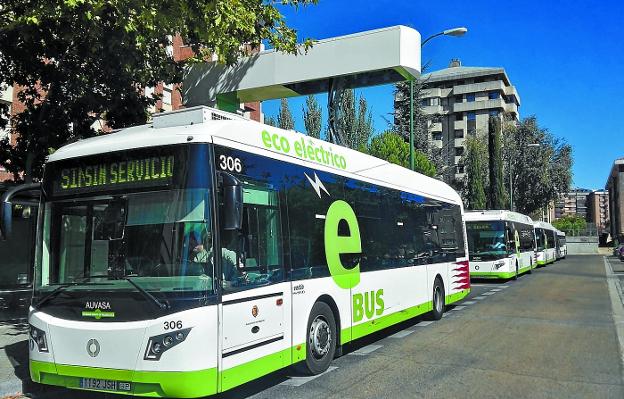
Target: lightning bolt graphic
[317, 184]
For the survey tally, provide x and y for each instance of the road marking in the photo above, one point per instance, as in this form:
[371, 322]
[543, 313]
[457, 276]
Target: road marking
[504, 286]
[469, 303]
[366, 350]
[489, 293]
[615, 293]
[456, 308]
[423, 324]
[496, 289]
[480, 297]
[299, 381]
[402, 334]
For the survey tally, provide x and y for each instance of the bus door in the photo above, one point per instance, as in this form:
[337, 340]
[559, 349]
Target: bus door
[256, 297]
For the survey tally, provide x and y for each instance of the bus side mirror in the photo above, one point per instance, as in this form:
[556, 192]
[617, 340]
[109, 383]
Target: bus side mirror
[6, 208]
[232, 202]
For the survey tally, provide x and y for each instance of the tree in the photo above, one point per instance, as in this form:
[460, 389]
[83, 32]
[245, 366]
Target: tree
[393, 148]
[284, 117]
[571, 224]
[312, 117]
[422, 121]
[540, 165]
[364, 127]
[475, 176]
[270, 120]
[496, 191]
[81, 61]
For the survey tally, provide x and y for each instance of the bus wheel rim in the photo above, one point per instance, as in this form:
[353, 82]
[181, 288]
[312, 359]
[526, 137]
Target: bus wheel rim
[438, 299]
[320, 337]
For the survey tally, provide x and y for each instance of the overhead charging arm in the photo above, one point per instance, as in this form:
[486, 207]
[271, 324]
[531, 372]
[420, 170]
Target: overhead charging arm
[6, 207]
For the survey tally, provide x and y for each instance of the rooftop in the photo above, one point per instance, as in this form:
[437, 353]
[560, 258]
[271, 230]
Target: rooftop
[457, 71]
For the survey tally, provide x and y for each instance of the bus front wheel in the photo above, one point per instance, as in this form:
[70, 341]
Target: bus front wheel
[438, 299]
[321, 339]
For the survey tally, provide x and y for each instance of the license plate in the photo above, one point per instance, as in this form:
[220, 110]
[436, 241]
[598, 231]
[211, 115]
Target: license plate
[104, 385]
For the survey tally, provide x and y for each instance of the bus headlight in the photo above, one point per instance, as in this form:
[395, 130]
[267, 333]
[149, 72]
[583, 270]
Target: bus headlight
[159, 344]
[38, 337]
[498, 265]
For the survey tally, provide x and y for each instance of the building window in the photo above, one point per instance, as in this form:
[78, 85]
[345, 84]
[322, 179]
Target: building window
[437, 135]
[470, 97]
[459, 133]
[459, 151]
[458, 99]
[472, 116]
[493, 95]
[425, 102]
[459, 116]
[494, 112]
[459, 169]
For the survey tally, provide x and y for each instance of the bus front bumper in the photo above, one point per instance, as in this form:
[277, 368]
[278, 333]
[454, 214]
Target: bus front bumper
[176, 384]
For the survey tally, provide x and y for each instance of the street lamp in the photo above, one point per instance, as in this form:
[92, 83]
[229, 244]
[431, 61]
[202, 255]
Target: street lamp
[449, 32]
[529, 145]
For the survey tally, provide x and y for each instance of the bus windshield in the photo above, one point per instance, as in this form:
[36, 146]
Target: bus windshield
[486, 240]
[161, 240]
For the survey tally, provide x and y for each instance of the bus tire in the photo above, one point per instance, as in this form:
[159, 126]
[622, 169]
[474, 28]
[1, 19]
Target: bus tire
[530, 268]
[320, 340]
[515, 277]
[438, 299]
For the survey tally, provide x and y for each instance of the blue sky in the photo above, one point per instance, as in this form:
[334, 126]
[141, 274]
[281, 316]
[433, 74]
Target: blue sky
[566, 58]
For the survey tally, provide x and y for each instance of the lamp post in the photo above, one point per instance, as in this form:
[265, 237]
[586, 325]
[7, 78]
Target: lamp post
[449, 32]
[511, 176]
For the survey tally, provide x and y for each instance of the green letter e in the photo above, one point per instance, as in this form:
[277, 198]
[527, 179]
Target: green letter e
[336, 245]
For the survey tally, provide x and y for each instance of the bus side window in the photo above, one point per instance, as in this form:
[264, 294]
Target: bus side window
[254, 256]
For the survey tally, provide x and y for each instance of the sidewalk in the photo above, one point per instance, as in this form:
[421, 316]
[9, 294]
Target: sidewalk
[13, 356]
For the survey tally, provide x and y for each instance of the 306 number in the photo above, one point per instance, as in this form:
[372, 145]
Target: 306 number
[230, 163]
[173, 325]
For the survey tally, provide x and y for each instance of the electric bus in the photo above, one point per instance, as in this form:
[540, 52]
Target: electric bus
[546, 243]
[501, 244]
[562, 248]
[188, 256]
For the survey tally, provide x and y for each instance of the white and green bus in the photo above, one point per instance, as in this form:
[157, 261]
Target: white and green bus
[546, 243]
[562, 247]
[188, 256]
[501, 244]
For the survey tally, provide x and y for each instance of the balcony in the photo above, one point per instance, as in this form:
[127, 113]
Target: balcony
[479, 87]
[431, 92]
[479, 105]
[433, 109]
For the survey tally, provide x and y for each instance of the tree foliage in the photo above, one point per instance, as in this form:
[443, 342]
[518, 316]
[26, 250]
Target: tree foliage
[312, 117]
[393, 148]
[475, 173]
[540, 165]
[570, 224]
[81, 61]
[422, 123]
[270, 120]
[284, 117]
[355, 120]
[496, 190]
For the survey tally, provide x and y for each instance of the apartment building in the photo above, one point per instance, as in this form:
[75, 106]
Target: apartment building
[598, 210]
[615, 187]
[573, 203]
[465, 98]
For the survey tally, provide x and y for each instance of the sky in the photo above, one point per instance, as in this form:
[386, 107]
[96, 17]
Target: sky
[566, 59]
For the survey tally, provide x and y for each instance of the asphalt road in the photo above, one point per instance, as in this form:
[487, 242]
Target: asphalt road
[550, 334]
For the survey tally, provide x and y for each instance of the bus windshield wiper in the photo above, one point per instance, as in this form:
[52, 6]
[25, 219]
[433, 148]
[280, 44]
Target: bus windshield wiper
[159, 303]
[60, 289]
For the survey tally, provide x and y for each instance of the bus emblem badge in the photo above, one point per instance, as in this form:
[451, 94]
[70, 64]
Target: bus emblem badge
[254, 311]
[93, 347]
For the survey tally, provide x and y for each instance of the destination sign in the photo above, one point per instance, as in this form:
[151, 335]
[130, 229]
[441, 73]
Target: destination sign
[143, 172]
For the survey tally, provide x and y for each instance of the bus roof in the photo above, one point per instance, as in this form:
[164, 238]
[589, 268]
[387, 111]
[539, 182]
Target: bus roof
[497, 215]
[206, 125]
[545, 225]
